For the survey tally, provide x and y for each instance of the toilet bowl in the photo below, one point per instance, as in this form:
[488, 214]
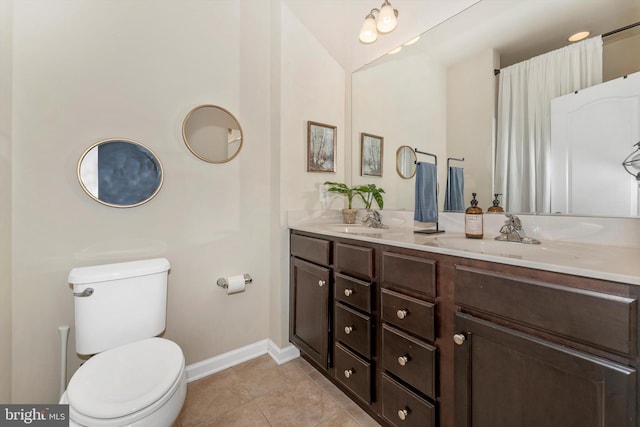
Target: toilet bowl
[138, 384]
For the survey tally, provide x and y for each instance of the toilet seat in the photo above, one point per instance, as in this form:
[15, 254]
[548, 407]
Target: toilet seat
[126, 383]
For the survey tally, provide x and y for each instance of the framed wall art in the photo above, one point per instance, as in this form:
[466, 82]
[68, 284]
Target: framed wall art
[321, 147]
[371, 150]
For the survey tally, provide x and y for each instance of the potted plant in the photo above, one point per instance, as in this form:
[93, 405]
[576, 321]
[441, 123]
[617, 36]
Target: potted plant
[348, 213]
[368, 193]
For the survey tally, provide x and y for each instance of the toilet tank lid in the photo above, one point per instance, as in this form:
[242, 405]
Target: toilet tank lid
[121, 270]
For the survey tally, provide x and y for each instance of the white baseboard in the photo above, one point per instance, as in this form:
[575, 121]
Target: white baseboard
[204, 368]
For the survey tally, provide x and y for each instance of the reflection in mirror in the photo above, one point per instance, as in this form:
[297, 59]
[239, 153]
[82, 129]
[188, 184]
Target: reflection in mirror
[212, 134]
[439, 94]
[120, 173]
[406, 162]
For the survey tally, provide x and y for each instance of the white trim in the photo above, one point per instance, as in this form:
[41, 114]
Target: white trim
[198, 370]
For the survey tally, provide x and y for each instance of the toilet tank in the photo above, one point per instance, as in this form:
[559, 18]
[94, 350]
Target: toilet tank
[128, 303]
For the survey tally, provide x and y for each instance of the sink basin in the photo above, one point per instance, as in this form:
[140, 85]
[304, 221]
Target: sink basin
[546, 252]
[354, 229]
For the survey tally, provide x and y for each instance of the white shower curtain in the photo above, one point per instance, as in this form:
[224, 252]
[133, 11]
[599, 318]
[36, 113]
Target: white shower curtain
[523, 129]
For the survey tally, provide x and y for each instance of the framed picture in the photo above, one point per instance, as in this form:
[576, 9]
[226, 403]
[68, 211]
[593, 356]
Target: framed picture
[321, 147]
[371, 149]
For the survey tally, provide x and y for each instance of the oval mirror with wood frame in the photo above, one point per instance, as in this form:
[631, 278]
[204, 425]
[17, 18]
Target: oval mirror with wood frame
[212, 134]
[120, 173]
[406, 162]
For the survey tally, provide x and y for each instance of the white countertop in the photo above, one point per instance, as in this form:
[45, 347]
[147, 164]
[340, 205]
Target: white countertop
[606, 262]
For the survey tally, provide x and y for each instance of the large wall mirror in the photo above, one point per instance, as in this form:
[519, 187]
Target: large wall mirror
[120, 173]
[212, 134]
[439, 94]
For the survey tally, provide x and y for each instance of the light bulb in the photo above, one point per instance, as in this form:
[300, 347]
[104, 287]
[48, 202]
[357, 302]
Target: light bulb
[387, 18]
[368, 32]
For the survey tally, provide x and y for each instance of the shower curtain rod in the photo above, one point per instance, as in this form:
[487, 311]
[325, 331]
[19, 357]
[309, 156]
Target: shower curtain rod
[610, 33]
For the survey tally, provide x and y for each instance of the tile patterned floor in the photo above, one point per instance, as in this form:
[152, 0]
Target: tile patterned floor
[260, 393]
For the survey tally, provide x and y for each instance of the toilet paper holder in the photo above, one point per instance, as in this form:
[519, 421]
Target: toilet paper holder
[223, 282]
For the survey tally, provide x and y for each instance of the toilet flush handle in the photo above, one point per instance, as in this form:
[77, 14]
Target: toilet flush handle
[86, 293]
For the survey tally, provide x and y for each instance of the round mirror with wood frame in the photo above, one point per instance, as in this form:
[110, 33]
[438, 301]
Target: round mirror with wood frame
[406, 162]
[212, 134]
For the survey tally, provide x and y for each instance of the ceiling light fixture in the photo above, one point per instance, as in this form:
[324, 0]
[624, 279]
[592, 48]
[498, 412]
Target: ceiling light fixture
[412, 41]
[396, 50]
[578, 36]
[385, 23]
[633, 161]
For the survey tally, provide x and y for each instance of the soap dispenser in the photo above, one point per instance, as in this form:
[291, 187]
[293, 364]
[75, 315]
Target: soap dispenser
[473, 227]
[496, 205]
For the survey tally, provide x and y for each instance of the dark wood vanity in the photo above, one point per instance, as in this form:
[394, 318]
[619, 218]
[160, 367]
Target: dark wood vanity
[418, 338]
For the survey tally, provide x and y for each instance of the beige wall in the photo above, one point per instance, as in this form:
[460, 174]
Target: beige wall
[404, 101]
[5, 197]
[85, 71]
[616, 55]
[470, 123]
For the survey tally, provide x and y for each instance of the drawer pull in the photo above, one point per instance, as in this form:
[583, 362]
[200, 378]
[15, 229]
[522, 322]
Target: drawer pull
[402, 314]
[403, 414]
[321, 283]
[402, 360]
[348, 292]
[459, 339]
[348, 373]
[348, 329]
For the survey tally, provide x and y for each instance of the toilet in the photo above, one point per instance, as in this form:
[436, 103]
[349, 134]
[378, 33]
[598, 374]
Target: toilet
[134, 378]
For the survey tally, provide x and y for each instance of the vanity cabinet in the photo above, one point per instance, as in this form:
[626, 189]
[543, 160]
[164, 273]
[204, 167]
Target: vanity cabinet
[354, 281]
[424, 339]
[309, 297]
[508, 375]
[408, 353]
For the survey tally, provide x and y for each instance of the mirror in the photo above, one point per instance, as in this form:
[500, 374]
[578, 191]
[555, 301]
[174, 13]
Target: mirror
[212, 134]
[406, 162]
[439, 94]
[120, 173]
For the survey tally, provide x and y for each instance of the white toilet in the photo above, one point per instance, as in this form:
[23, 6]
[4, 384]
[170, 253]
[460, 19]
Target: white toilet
[134, 378]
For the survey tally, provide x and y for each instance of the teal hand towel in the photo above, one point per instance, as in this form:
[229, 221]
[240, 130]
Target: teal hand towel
[426, 192]
[454, 194]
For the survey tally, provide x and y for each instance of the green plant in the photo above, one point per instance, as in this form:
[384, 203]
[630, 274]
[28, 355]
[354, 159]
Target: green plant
[368, 193]
[344, 189]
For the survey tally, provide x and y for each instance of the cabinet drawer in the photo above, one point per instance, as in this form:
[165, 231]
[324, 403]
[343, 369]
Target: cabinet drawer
[353, 372]
[311, 249]
[598, 319]
[409, 359]
[401, 407]
[355, 260]
[416, 274]
[353, 292]
[353, 329]
[408, 313]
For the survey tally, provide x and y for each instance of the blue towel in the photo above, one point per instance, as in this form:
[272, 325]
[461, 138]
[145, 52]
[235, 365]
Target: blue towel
[454, 195]
[426, 192]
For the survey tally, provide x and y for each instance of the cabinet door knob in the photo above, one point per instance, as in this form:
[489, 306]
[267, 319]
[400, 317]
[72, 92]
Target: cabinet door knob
[348, 329]
[321, 283]
[348, 373]
[402, 314]
[459, 339]
[402, 360]
[348, 292]
[403, 414]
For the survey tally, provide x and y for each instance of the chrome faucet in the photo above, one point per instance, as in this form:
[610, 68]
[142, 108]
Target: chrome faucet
[512, 231]
[372, 219]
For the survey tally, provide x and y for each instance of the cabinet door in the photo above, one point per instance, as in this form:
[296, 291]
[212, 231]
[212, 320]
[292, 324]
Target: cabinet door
[504, 378]
[309, 309]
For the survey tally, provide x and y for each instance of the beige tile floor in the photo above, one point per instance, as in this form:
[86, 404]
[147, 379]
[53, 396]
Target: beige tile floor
[260, 393]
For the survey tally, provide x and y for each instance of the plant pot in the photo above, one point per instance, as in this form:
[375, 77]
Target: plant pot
[349, 215]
